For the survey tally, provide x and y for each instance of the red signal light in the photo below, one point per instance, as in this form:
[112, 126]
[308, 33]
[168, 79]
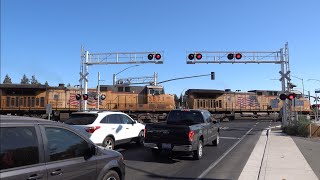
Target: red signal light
[150, 56]
[85, 97]
[191, 56]
[230, 56]
[78, 97]
[158, 56]
[238, 56]
[291, 96]
[199, 56]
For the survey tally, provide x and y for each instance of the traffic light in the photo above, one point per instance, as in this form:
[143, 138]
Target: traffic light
[150, 56]
[212, 76]
[232, 56]
[103, 97]
[199, 56]
[85, 96]
[78, 97]
[290, 96]
[191, 56]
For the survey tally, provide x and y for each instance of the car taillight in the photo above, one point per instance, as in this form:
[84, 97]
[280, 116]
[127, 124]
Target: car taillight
[191, 135]
[92, 129]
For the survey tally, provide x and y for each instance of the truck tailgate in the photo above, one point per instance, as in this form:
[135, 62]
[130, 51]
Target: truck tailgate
[167, 133]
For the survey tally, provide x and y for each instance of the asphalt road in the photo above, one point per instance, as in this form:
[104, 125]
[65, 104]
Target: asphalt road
[225, 161]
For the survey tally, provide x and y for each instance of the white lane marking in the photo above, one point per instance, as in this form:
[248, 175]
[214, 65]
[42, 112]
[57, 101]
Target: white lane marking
[204, 173]
[229, 137]
[224, 127]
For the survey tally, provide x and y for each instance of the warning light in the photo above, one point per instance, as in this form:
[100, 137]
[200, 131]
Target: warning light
[291, 96]
[150, 56]
[199, 56]
[103, 97]
[158, 56]
[78, 97]
[85, 96]
[230, 56]
[191, 56]
[238, 56]
[283, 96]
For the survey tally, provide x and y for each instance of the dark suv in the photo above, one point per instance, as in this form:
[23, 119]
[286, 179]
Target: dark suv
[34, 148]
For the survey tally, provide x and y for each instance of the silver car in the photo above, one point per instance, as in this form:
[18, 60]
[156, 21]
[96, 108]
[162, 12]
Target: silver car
[34, 148]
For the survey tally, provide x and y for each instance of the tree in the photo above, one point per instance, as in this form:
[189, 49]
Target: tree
[46, 83]
[25, 80]
[7, 80]
[34, 80]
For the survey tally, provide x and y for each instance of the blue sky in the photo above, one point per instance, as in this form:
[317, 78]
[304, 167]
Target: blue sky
[43, 38]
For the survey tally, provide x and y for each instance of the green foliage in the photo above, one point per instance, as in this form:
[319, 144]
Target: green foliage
[34, 80]
[25, 80]
[7, 80]
[300, 128]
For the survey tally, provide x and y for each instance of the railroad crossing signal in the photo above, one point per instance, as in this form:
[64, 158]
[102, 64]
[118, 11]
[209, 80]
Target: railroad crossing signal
[192, 55]
[78, 97]
[85, 96]
[289, 96]
[157, 56]
[231, 56]
[284, 76]
[103, 97]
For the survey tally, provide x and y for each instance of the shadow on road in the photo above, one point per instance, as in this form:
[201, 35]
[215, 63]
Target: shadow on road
[152, 175]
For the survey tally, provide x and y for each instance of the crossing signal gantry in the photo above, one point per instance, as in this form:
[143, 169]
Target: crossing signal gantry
[88, 59]
[274, 57]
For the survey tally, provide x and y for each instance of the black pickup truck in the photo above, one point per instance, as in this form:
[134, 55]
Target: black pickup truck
[186, 130]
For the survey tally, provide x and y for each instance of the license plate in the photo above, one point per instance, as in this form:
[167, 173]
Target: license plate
[166, 146]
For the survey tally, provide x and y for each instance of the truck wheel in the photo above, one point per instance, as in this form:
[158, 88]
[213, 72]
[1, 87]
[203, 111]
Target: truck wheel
[216, 141]
[140, 138]
[197, 154]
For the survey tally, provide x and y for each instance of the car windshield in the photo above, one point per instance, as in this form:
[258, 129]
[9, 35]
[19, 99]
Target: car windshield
[185, 117]
[81, 119]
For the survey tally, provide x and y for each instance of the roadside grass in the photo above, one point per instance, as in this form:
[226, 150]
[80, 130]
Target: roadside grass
[299, 128]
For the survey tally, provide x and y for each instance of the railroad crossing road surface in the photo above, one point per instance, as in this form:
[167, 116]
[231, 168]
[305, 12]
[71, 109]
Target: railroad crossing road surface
[226, 161]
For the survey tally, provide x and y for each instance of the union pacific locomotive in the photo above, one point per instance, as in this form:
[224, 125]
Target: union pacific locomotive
[144, 103]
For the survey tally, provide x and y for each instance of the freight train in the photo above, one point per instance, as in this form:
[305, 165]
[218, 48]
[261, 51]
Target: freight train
[144, 103]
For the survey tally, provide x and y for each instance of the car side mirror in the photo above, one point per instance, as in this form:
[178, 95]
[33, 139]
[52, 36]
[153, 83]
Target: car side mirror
[133, 122]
